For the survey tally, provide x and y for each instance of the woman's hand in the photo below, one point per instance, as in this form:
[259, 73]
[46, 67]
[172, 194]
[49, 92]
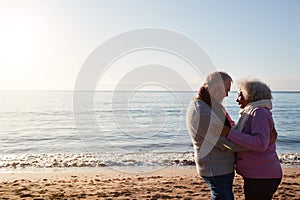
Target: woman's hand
[273, 135]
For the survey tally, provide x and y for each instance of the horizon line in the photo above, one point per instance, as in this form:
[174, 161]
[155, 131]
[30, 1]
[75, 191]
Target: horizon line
[69, 90]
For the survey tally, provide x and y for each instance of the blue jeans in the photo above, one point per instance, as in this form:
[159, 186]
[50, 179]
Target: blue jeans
[220, 186]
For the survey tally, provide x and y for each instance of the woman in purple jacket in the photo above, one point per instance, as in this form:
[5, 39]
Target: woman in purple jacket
[260, 166]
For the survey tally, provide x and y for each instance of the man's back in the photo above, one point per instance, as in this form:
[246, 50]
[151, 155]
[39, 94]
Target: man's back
[212, 156]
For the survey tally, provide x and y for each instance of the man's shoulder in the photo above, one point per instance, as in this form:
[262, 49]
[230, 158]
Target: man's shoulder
[199, 106]
[199, 103]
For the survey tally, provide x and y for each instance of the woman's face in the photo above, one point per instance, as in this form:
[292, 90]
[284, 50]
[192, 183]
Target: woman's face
[241, 100]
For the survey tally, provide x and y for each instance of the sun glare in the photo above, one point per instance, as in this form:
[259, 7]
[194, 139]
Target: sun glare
[19, 47]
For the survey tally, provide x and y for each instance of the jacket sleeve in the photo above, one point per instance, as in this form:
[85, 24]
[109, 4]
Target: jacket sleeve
[259, 137]
[229, 145]
[220, 142]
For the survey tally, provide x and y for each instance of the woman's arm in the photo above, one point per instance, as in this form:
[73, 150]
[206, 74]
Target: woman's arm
[203, 132]
[259, 138]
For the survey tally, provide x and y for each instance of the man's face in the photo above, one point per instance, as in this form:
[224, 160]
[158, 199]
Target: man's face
[227, 88]
[221, 92]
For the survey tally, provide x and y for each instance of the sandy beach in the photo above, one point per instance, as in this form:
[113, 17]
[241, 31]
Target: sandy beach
[167, 183]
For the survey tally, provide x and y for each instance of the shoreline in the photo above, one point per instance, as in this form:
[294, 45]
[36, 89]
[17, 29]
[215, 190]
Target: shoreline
[108, 183]
[115, 160]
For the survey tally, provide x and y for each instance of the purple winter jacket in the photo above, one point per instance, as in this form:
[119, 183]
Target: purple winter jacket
[261, 161]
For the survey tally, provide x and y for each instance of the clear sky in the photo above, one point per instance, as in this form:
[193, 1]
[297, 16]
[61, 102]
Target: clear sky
[43, 43]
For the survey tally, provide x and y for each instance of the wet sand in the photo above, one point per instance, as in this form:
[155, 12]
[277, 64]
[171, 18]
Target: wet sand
[167, 183]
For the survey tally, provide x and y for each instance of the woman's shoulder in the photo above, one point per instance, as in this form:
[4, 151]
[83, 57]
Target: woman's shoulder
[262, 112]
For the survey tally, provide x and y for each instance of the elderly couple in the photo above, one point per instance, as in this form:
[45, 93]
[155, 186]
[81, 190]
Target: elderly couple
[221, 146]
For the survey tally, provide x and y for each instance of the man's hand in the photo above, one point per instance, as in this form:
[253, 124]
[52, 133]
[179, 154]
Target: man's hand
[219, 130]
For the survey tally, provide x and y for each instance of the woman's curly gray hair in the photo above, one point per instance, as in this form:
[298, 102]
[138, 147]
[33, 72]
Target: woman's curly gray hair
[254, 90]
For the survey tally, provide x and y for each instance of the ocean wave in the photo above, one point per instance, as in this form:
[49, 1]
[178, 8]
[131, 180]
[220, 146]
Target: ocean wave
[68, 160]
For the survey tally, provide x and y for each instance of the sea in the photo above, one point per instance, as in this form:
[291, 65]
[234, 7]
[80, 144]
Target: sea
[143, 129]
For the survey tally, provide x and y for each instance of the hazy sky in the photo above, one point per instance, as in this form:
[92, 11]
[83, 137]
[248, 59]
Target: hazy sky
[44, 43]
